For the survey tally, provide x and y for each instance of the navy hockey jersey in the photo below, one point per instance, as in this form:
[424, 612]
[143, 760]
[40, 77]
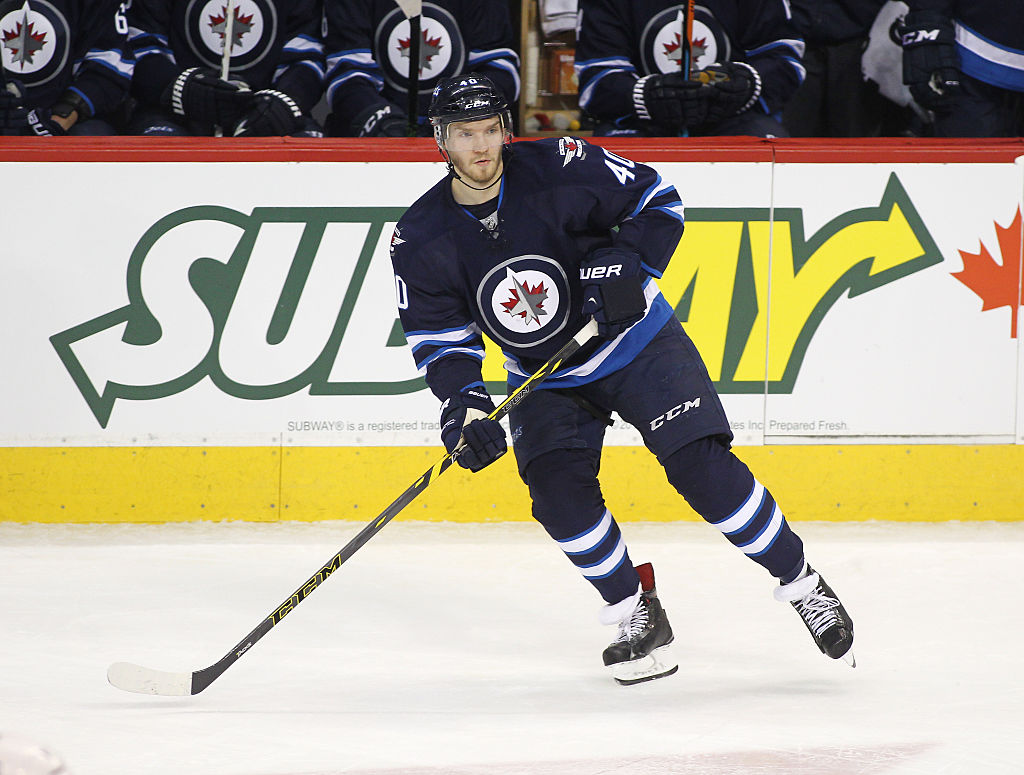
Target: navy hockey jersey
[520, 285]
[989, 37]
[58, 45]
[368, 51]
[622, 40]
[275, 43]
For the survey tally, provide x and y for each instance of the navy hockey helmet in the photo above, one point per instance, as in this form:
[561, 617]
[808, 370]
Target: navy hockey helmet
[468, 97]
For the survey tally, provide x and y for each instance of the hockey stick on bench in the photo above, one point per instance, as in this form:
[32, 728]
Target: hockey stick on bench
[143, 680]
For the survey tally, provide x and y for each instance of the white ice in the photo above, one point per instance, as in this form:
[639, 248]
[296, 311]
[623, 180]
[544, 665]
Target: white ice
[443, 649]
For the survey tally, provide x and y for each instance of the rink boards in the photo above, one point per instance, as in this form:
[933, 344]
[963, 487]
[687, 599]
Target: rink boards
[208, 331]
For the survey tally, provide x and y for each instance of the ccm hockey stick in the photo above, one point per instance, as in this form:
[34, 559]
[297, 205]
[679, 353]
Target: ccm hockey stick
[143, 680]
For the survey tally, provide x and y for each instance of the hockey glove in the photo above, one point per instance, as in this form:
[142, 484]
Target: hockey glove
[380, 121]
[670, 101]
[13, 113]
[272, 113]
[613, 290]
[464, 421]
[41, 123]
[201, 96]
[931, 66]
[732, 88]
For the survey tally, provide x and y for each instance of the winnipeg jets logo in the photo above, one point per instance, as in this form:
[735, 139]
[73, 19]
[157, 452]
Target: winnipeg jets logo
[253, 30]
[33, 40]
[662, 42]
[442, 48]
[673, 51]
[430, 47]
[524, 300]
[571, 148]
[241, 25]
[23, 42]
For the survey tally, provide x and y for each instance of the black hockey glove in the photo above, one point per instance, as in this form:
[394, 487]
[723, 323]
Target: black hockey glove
[931, 66]
[272, 113]
[670, 101]
[40, 122]
[613, 290]
[13, 113]
[201, 96]
[733, 88]
[464, 419]
[380, 121]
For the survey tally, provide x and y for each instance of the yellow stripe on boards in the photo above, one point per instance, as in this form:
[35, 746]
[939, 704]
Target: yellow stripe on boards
[184, 484]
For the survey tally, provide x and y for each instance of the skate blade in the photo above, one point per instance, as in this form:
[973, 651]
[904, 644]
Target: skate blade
[657, 664]
[849, 658]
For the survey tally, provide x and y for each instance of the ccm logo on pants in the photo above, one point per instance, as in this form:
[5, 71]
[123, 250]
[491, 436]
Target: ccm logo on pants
[673, 413]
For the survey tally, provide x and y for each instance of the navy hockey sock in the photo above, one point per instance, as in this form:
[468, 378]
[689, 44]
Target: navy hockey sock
[567, 501]
[720, 487]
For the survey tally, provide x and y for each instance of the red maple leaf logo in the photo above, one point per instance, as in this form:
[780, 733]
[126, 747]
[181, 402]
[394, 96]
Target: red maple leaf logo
[429, 49]
[240, 25]
[998, 285]
[23, 46]
[530, 306]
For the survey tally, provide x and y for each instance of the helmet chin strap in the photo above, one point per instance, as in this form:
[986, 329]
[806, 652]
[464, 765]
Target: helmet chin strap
[458, 177]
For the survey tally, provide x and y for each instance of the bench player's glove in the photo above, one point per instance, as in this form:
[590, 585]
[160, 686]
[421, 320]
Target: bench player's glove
[464, 420]
[613, 290]
[670, 100]
[730, 88]
[271, 114]
[931, 67]
[13, 113]
[380, 121]
[201, 96]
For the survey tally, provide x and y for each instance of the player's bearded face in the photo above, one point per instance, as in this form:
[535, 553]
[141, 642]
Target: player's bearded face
[475, 148]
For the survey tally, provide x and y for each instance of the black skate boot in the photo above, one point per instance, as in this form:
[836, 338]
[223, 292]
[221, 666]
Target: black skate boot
[639, 652]
[822, 613]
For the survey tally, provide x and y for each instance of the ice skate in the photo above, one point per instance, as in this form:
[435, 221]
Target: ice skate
[822, 613]
[640, 651]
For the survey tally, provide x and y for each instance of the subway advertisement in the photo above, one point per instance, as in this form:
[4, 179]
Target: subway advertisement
[251, 304]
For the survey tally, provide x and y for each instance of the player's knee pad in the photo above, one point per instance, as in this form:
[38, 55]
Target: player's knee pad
[564, 489]
[711, 478]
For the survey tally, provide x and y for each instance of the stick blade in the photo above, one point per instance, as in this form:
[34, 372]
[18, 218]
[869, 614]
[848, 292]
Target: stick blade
[142, 680]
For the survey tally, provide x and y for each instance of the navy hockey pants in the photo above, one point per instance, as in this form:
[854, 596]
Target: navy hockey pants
[667, 395]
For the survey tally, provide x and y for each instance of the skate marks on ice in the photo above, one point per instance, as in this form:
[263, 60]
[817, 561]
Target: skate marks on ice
[847, 760]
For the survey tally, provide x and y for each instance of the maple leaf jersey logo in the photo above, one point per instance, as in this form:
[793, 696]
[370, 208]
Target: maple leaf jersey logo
[253, 32]
[661, 45]
[998, 284]
[430, 47]
[23, 43]
[525, 301]
[241, 25]
[34, 41]
[443, 50]
[673, 50]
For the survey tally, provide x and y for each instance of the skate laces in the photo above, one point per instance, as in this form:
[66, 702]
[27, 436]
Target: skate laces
[818, 610]
[634, 624]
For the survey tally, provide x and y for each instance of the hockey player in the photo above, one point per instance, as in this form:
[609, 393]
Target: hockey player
[65, 66]
[524, 244]
[746, 63]
[964, 61]
[368, 55]
[276, 67]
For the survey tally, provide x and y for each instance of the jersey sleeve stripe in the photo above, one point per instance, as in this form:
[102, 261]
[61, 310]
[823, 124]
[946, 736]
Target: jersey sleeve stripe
[473, 352]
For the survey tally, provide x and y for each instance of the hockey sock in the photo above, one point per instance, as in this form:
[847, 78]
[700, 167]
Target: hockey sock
[720, 487]
[567, 501]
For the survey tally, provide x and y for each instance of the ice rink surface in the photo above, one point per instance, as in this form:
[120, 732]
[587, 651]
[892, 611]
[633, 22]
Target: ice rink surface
[443, 649]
